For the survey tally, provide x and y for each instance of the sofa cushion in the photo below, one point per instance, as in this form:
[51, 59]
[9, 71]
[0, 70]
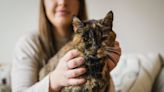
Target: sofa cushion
[159, 82]
[162, 58]
[5, 78]
[136, 72]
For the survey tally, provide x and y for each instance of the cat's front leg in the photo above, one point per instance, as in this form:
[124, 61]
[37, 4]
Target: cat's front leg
[52, 63]
[50, 66]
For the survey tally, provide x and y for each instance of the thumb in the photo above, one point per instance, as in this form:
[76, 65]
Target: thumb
[71, 54]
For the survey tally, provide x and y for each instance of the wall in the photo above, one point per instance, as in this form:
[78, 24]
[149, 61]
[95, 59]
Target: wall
[139, 24]
[17, 17]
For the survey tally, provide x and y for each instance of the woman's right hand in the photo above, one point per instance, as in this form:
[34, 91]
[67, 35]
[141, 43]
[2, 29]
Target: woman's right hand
[66, 72]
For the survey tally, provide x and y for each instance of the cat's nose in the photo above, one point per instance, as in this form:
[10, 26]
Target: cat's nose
[95, 48]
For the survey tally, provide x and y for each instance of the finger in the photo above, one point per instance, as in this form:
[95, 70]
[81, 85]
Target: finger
[111, 65]
[75, 72]
[76, 81]
[117, 44]
[71, 54]
[75, 62]
[114, 57]
[116, 48]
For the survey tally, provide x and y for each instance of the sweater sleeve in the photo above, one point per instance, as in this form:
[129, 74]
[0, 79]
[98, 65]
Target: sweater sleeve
[25, 67]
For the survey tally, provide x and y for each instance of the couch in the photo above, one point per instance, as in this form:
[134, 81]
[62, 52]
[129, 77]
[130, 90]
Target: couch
[134, 73]
[139, 73]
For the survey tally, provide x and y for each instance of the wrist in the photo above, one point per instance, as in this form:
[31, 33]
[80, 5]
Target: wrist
[53, 87]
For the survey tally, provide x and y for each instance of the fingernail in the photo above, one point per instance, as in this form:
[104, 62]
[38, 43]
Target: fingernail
[81, 59]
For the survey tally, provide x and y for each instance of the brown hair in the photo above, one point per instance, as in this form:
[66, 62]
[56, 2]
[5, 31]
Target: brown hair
[46, 30]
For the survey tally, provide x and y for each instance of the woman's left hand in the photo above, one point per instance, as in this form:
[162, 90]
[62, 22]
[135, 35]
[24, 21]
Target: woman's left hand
[114, 54]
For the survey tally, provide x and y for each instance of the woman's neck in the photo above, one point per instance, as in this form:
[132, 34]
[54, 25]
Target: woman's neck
[62, 35]
[62, 31]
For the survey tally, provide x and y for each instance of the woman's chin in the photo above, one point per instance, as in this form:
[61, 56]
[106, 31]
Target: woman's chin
[61, 24]
[63, 21]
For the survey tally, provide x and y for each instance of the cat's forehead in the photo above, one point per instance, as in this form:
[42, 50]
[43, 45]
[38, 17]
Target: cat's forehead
[92, 23]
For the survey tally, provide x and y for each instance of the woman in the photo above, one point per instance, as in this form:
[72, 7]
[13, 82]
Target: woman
[36, 49]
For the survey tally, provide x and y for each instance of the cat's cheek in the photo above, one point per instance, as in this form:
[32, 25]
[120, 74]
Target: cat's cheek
[81, 54]
[103, 44]
[100, 53]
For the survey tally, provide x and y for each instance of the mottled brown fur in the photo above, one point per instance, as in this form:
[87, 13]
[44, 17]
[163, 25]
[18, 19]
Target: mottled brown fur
[92, 38]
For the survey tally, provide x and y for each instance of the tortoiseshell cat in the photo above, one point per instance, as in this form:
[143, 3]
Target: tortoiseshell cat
[92, 38]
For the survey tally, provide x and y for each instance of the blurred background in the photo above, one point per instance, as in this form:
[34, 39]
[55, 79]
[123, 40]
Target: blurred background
[139, 24]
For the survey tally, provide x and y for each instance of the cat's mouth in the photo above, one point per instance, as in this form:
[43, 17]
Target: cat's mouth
[91, 51]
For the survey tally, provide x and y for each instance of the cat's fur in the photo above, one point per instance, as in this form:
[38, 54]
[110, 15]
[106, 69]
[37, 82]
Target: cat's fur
[92, 38]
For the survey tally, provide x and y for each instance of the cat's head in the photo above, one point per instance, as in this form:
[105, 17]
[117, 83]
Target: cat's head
[93, 34]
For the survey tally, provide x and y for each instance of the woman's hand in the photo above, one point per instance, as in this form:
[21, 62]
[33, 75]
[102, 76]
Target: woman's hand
[114, 54]
[66, 72]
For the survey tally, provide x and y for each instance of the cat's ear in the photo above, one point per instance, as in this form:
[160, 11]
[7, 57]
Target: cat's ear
[76, 23]
[108, 20]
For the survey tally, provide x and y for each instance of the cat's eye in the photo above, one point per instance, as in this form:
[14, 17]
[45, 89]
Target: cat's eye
[104, 38]
[88, 45]
[85, 39]
[99, 24]
[79, 30]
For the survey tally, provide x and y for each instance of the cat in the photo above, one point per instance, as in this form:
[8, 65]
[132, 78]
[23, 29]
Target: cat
[92, 38]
